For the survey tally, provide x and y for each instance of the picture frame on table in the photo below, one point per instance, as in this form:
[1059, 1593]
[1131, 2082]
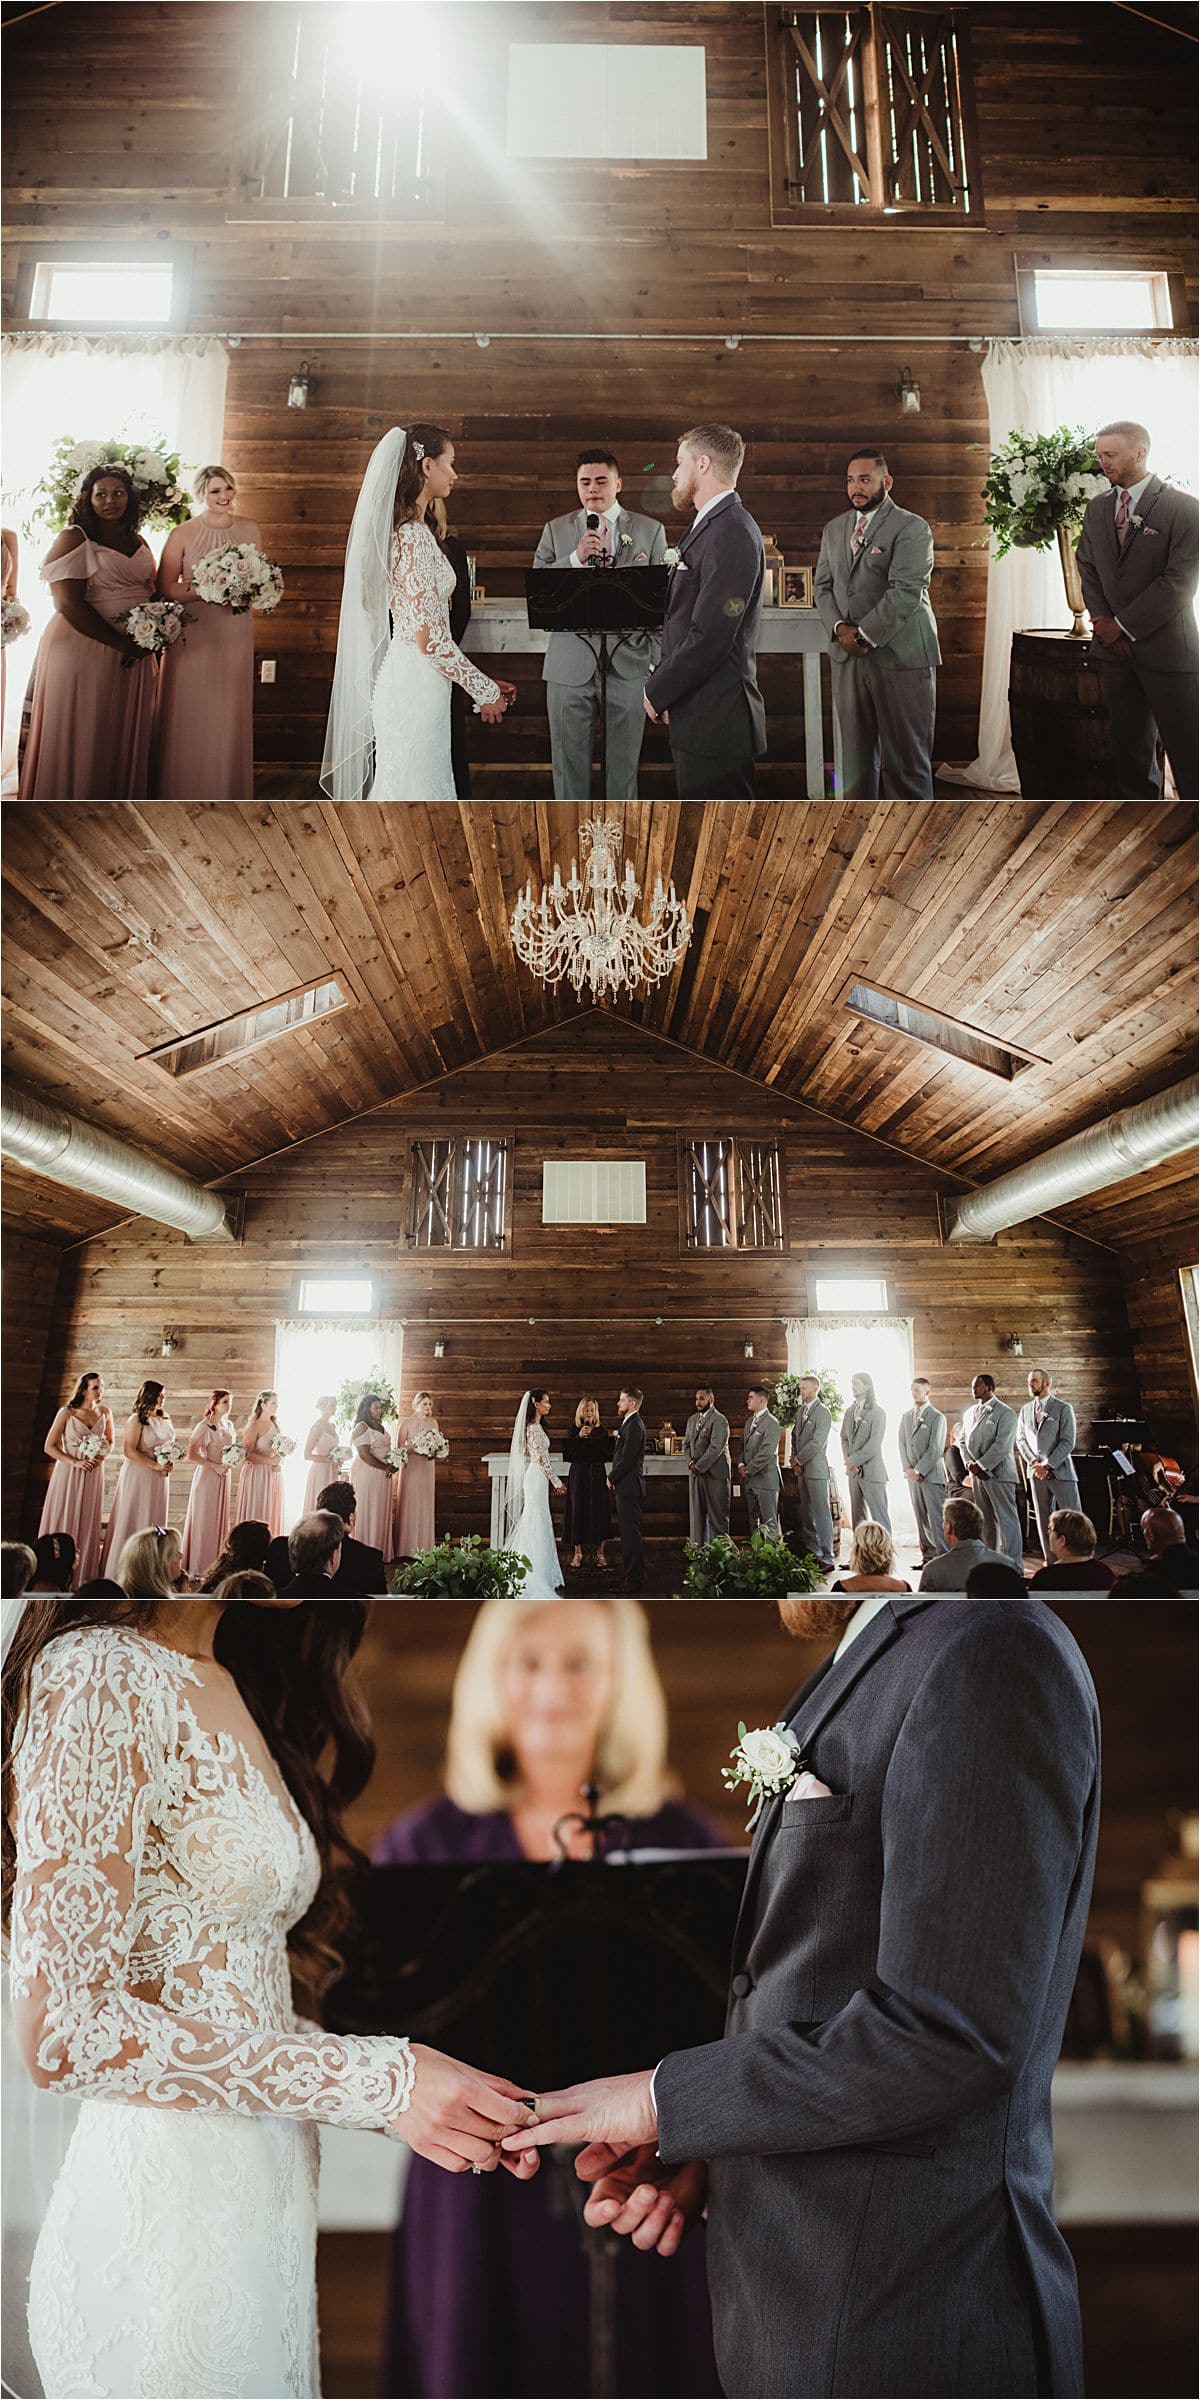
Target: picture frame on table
[797, 591]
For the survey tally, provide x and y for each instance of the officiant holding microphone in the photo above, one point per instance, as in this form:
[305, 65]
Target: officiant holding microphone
[597, 535]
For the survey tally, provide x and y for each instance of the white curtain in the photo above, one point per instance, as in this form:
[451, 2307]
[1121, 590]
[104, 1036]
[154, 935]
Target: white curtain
[315, 1355]
[1033, 387]
[97, 388]
[881, 1347]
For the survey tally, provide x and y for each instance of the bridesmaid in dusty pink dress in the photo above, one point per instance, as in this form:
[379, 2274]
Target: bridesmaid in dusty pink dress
[93, 692]
[415, 1487]
[207, 1521]
[204, 740]
[74, 1500]
[260, 1482]
[323, 1440]
[143, 1494]
[372, 1477]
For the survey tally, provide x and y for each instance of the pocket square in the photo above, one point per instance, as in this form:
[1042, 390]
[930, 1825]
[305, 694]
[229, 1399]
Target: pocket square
[877, 550]
[808, 1786]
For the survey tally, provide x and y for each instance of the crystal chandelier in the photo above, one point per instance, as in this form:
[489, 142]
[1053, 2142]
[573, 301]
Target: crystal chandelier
[584, 931]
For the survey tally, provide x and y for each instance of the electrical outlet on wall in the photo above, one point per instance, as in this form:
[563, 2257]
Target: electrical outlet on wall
[266, 670]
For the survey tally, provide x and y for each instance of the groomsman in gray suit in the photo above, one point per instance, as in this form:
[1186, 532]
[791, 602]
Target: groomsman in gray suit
[706, 1449]
[1138, 566]
[863, 1429]
[618, 538]
[810, 1457]
[872, 595]
[989, 1431]
[922, 1456]
[1045, 1441]
[759, 1465]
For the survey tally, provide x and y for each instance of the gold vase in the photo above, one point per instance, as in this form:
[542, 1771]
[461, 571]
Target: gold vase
[1074, 588]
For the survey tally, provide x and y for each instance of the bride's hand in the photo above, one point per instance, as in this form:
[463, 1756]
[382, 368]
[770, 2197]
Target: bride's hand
[457, 2116]
[493, 711]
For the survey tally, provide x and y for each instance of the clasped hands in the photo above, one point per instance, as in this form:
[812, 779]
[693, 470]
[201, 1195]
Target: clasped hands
[1107, 630]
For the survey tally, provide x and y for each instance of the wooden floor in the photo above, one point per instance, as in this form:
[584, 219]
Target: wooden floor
[534, 783]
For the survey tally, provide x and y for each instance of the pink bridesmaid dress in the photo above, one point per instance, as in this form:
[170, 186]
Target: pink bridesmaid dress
[260, 1487]
[372, 1491]
[74, 1502]
[415, 1496]
[207, 1521]
[92, 716]
[204, 737]
[325, 1439]
[142, 1497]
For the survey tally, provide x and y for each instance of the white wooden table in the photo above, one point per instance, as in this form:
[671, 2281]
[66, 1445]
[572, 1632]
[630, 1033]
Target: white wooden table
[496, 1462]
[499, 626]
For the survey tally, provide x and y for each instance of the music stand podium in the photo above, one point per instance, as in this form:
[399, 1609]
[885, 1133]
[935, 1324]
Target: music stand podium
[596, 602]
[551, 1974]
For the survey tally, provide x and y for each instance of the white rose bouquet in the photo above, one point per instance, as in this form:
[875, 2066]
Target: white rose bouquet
[341, 1454]
[168, 1454]
[397, 1458]
[429, 1443]
[233, 1455]
[768, 1760]
[238, 577]
[93, 1446]
[282, 1445]
[1037, 482]
[154, 625]
[16, 620]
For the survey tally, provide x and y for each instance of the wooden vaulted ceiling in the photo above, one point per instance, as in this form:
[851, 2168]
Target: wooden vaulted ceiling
[1068, 932]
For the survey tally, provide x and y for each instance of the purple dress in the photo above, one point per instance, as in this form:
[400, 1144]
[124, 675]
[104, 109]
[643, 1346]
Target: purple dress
[488, 2284]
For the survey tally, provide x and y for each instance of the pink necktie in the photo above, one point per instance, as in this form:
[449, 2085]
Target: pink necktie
[860, 535]
[1123, 519]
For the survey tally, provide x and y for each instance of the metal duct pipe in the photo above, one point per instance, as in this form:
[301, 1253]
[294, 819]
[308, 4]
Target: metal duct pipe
[1108, 1153]
[52, 1142]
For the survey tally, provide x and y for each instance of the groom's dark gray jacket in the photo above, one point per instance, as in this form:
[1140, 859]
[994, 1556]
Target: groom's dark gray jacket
[878, 2114]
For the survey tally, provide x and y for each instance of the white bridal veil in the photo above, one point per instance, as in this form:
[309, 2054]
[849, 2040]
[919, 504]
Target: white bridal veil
[348, 767]
[514, 1496]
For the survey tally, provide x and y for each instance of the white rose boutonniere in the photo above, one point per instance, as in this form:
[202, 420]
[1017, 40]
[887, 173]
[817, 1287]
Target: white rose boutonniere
[670, 558]
[768, 1760]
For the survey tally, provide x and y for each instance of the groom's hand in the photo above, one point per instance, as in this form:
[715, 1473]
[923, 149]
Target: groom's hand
[651, 711]
[616, 2109]
[638, 2196]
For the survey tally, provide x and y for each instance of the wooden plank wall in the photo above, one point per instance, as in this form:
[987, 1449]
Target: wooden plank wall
[30, 1281]
[597, 1089]
[1086, 138]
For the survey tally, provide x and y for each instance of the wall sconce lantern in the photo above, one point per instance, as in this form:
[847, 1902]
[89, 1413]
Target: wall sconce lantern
[1013, 1344]
[439, 1347]
[908, 393]
[298, 388]
[747, 1348]
[170, 1341]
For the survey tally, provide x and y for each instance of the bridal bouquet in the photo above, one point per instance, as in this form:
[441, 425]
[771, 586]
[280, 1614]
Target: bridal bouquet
[154, 625]
[168, 1454]
[92, 1446]
[16, 620]
[397, 1457]
[238, 577]
[340, 1455]
[282, 1445]
[429, 1443]
[233, 1454]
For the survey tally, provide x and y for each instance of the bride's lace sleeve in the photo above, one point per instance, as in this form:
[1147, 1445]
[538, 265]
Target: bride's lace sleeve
[98, 1767]
[415, 560]
[537, 1447]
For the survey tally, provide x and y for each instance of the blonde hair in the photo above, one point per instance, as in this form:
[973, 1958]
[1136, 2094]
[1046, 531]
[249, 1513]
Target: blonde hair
[418, 1396]
[721, 444]
[148, 1562]
[587, 1402]
[631, 1753]
[871, 1552]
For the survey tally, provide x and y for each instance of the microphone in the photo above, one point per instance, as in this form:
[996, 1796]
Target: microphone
[593, 526]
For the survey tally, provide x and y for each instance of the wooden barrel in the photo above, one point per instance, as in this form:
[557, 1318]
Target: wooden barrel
[1060, 731]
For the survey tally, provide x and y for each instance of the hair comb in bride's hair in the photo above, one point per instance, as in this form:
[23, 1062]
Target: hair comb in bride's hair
[418, 449]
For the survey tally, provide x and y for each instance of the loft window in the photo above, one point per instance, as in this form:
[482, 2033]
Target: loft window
[101, 292]
[217, 1044]
[459, 1193]
[344, 119]
[852, 1293]
[733, 1194]
[336, 1296]
[926, 1025]
[872, 110]
[1101, 302]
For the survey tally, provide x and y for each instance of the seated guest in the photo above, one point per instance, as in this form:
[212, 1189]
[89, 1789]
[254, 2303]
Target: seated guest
[18, 1565]
[314, 1549]
[489, 2278]
[996, 1579]
[1074, 1566]
[962, 1525]
[1172, 1570]
[151, 1564]
[245, 1549]
[361, 1575]
[55, 1554]
[101, 1587]
[872, 1561]
[246, 1586]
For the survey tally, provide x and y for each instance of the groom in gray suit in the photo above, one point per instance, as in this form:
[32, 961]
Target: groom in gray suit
[1045, 1443]
[759, 1467]
[619, 537]
[1138, 566]
[706, 1449]
[872, 594]
[705, 691]
[873, 2135]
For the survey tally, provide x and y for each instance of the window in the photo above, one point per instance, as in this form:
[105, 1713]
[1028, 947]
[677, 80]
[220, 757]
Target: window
[853, 1293]
[101, 292]
[336, 1296]
[1082, 301]
[732, 1193]
[871, 112]
[459, 1194]
[927, 1025]
[644, 100]
[216, 1044]
[344, 119]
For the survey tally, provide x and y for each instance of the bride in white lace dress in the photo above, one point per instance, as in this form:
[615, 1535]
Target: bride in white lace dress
[529, 1525]
[388, 735]
[168, 1834]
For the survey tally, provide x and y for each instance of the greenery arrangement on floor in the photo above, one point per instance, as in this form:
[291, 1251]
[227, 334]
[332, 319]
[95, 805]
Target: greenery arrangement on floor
[764, 1568]
[462, 1570]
